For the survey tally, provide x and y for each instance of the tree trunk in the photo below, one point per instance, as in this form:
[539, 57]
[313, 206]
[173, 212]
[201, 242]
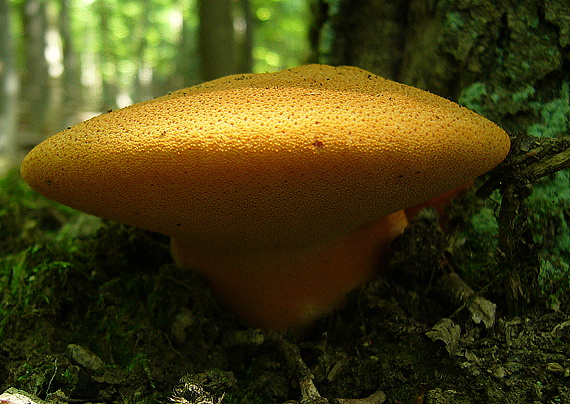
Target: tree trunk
[217, 39]
[9, 85]
[142, 89]
[35, 80]
[245, 37]
[109, 79]
[369, 34]
[71, 93]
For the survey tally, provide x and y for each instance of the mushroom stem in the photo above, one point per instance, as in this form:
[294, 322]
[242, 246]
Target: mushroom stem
[285, 290]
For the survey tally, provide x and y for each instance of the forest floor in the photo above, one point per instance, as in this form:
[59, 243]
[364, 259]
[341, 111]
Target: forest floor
[95, 312]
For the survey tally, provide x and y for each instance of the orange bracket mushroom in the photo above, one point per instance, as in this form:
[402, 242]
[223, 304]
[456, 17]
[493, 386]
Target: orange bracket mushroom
[282, 189]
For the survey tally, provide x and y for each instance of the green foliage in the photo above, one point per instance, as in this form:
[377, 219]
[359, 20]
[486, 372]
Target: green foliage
[124, 36]
[128, 44]
[280, 35]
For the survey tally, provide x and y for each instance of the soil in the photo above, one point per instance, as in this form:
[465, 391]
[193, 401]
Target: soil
[103, 315]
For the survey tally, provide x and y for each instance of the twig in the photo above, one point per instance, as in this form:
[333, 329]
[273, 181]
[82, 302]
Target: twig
[529, 160]
[309, 392]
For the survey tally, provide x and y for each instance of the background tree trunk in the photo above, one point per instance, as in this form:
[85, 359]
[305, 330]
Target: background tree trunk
[142, 88]
[217, 43]
[71, 86]
[221, 51]
[369, 34]
[35, 78]
[9, 85]
[107, 58]
[245, 37]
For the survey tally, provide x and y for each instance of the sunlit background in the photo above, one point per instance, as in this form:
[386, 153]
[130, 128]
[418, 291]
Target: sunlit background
[62, 61]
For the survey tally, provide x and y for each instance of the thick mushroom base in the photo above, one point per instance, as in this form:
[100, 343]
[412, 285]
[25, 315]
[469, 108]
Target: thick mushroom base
[289, 290]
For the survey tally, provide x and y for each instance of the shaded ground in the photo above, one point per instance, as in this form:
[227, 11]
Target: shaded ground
[96, 312]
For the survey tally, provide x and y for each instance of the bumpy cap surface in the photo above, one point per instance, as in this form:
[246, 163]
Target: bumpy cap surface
[267, 161]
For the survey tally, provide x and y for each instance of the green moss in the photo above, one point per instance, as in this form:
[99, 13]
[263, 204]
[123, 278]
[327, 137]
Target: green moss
[554, 116]
[477, 240]
[485, 224]
[453, 21]
[473, 97]
[28, 218]
[67, 277]
[549, 207]
[549, 119]
[523, 95]
[41, 242]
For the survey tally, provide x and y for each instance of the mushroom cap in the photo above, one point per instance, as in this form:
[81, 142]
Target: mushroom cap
[258, 162]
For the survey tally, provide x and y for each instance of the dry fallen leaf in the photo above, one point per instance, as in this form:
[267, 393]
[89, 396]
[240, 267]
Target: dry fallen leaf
[448, 332]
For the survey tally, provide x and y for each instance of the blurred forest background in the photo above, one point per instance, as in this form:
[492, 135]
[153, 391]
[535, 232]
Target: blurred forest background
[63, 61]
